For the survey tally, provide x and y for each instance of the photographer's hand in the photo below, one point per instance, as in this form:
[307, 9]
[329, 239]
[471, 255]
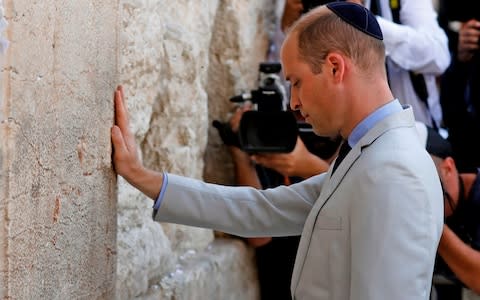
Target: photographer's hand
[125, 157]
[300, 162]
[468, 40]
[237, 116]
[238, 155]
[245, 173]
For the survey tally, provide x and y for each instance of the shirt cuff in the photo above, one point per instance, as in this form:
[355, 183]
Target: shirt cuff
[159, 199]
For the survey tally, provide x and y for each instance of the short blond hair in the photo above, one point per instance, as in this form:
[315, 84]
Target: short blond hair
[320, 32]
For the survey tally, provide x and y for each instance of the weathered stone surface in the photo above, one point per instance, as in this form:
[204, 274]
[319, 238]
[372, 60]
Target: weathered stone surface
[218, 272]
[180, 63]
[58, 199]
[240, 41]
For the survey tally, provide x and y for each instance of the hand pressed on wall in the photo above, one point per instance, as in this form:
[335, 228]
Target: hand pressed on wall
[126, 160]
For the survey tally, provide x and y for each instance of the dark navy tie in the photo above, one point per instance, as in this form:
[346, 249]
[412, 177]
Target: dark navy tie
[344, 149]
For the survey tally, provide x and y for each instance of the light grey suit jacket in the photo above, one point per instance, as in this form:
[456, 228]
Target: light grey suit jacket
[370, 231]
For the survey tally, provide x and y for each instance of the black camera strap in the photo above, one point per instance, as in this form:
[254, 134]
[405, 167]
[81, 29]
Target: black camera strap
[342, 153]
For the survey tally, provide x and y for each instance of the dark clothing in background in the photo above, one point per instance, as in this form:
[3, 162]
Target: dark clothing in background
[460, 100]
[275, 260]
[466, 225]
[460, 88]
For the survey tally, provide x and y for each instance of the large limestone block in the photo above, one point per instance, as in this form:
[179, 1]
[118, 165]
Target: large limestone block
[58, 197]
[163, 68]
[241, 35]
[180, 61]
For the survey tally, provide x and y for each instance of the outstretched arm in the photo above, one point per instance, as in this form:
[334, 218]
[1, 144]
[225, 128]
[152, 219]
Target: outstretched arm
[126, 161]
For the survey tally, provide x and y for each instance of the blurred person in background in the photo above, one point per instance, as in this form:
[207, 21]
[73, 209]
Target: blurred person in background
[459, 248]
[460, 84]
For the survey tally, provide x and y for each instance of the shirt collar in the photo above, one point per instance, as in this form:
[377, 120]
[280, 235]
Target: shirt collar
[371, 120]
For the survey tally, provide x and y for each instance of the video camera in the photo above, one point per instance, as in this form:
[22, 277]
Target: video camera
[270, 126]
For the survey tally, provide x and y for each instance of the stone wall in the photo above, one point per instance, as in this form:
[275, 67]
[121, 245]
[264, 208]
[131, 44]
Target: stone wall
[181, 62]
[63, 234]
[58, 190]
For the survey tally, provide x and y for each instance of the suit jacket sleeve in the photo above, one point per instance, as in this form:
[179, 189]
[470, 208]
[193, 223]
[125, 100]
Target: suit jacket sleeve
[243, 211]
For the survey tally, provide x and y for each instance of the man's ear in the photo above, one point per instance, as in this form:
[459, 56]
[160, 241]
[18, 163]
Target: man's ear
[450, 165]
[447, 168]
[335, 65]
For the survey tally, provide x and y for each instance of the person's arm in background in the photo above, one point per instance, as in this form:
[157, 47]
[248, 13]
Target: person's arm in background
[468, 40]
[245, 172]
[461, 258]
[418, 44]
[300, 162]
[246, 175]
[291, 12]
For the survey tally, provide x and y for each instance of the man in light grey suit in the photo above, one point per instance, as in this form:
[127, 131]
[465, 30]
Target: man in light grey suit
[371, 224]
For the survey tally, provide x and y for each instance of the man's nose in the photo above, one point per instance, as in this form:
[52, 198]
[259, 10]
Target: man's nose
[294, 102]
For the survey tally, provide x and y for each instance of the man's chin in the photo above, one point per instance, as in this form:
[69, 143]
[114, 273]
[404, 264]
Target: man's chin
[324, 133]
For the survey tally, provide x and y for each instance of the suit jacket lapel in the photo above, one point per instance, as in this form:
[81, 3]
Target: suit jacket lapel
[396, 120]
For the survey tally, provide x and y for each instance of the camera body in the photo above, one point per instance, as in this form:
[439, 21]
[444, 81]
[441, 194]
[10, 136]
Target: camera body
[270, 94]
[269, 126]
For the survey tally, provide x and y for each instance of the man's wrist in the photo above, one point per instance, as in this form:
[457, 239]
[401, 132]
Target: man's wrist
[146, 180]
[135, 174]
